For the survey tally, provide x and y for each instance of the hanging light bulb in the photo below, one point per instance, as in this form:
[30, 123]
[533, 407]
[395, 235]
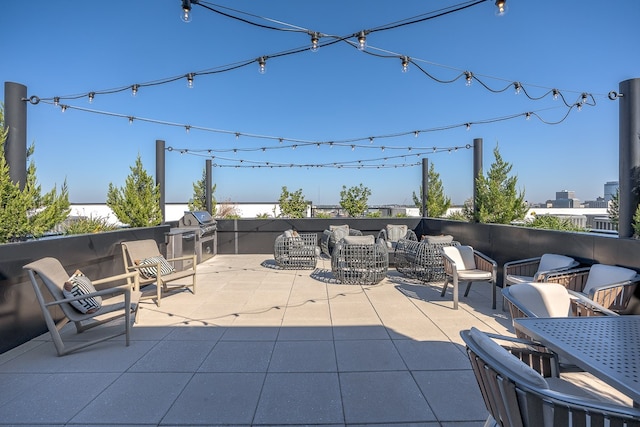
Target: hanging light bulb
[405, 63]
[186, 11]
[130, 120]
[583, 98]
[134, 89]
[362, 40]
[416, 133]
[315, 39]
[63, 108]
[555, 92]
[468, 125]
[517, 87]
[190, 77]
[527, 115]
[91, 96]
[468, 76]
[187, 128]
[56, 100]
[370, 140]
[262, 63]
[501, 7]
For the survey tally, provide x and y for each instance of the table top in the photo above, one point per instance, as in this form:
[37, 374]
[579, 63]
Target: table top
[606, 346]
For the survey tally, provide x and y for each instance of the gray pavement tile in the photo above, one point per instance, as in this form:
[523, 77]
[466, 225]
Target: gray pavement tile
[303, 356]
[217, 399]
[238, 356]
[302, 333]
[362, 332]
[300, 398]
[453, 395]
[174, 356]
[55, 399]
[255, 333]
[134, 398]
[432, 355]
[196, 333]
[368, 355]
[383, 397]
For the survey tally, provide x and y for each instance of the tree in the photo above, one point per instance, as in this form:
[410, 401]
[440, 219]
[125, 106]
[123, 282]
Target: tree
[138, 202]
[26, 213]
[199, 200]
[437, 202]
[613, 210]
[636, 223]
[354, 200]
[498, 200]
[552, 222]
[292, 205]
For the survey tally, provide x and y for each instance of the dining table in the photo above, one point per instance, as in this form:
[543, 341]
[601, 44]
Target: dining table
[606, 346]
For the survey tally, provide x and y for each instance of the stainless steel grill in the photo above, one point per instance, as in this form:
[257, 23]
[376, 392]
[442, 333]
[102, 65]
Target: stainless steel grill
[205, 228]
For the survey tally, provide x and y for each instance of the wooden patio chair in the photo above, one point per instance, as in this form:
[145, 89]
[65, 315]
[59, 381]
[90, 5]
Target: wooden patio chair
[122, 302]
[144, 256]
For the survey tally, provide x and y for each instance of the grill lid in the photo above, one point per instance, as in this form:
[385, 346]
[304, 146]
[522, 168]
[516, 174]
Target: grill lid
[197, 219]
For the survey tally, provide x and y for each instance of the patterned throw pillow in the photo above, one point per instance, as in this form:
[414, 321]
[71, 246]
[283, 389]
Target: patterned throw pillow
[151, 272]
[79, 284]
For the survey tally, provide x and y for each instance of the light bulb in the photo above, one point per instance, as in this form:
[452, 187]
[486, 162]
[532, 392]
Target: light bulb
[517, 87]
[468, 125]
[63, 108]
[134, 89]
[91, 96]
[405, 64]
[186, 11]
[501, 7]
[262, 63]
[468, 75]
[555, 92]
[190, 80]
[362, 40]
[315, 38]
[56, 100]
[416, 133]
[130, 120]
[187, 128]
[527, 115]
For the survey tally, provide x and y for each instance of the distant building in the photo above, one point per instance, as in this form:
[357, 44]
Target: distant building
[600, 202]
[565, 199]
[610, 190]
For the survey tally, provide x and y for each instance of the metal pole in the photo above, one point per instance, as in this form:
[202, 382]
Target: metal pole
[207, 185]
[160, 178]
[425, 186]
[477, 171]
[15, 121]
[629, 154]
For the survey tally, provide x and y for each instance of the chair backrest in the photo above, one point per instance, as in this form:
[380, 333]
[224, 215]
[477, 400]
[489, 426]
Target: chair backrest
[462, 256]
[339, 231]
[396, 232]
[137, 250]
[359, 240]
[53, 276]
[550, 262]
[602, 275]
[541, 299]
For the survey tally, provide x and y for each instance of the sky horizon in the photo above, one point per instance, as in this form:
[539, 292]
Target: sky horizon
[311, 112]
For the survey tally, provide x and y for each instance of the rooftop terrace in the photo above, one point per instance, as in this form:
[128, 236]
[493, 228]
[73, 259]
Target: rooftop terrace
[262, 346]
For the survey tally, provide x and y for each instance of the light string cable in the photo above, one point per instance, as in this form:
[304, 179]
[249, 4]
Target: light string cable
[334, 39]
[297, 142]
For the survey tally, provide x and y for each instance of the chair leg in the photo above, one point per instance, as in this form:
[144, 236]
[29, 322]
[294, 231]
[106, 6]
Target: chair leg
[493, 306]
[466, 292]
[444, 287]
[455, 293]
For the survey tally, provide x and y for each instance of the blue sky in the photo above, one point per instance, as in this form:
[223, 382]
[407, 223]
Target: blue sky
[335, 94]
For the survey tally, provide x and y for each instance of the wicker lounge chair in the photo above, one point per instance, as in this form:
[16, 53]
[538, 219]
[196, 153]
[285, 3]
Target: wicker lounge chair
[359, 260]
[294, 250]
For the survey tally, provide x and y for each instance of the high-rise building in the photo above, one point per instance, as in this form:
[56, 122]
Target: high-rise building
[610, 189]
[565, 194]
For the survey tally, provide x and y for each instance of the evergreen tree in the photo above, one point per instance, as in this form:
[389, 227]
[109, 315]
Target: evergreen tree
[138, 202]
[199, 200]
[613, 210]
[292, 205]
[26, 213]
[437, 202]
[354, 200]
[498, 200]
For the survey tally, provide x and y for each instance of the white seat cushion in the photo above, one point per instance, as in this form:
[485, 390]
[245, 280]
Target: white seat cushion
[542, 299]
[359, 240]
[602, 275]
[396, 232]
[474, 274]
[462, 257]
[550, 262]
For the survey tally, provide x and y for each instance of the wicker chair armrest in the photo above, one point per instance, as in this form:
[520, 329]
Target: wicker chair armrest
[411, 235]
[382, 234]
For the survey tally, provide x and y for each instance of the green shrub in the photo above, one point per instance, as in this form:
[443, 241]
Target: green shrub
[89, 225]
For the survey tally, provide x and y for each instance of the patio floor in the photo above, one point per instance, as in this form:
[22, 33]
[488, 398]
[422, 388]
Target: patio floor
[262, 346]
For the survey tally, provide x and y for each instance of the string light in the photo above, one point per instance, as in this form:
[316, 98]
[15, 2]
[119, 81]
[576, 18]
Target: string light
[468, 75]
[134, 89]
[63, 108]
[91, 96]
[56, 100]
[501, 7]
[190, 77]
[130, 120]
[315, 39]
[362, 40]
[518, 87]
[527, 115]
[262, 63]
[405, 63]
[186, 10]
